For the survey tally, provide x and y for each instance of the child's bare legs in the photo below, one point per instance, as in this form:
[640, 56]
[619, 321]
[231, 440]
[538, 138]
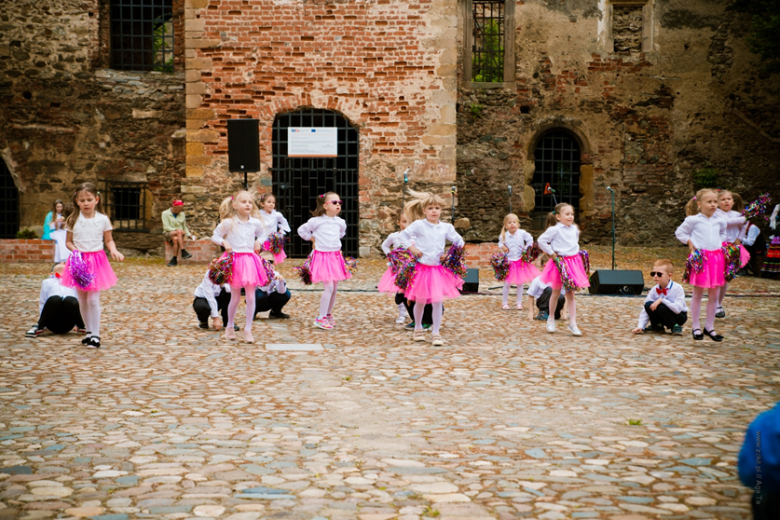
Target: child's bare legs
[698, 293]
[235, 299]
[438, 312]
[328, 294]
[89, 304]
[721, 295]
[712, 308]
[332, 302]
[250, 313]
[556, 293]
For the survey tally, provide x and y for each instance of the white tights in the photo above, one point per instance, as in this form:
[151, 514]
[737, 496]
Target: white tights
[89, 304]
[328, 299]
[571, 306]
[507, 286]
[235, 299]
[438, 312]
[712, 307]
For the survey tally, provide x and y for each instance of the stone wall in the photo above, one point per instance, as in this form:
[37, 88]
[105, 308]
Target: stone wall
[646, 121]
[67, 122]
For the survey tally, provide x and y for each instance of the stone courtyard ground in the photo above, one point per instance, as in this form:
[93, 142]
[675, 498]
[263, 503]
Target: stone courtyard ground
[504, 421]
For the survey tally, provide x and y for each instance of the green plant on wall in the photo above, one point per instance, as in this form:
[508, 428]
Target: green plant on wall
[706, 177]
[487, 62]
[476, 109]
[162, 45]
[26, 234]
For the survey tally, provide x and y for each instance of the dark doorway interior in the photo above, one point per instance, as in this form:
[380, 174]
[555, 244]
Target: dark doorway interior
[557, 162]
[9, 203]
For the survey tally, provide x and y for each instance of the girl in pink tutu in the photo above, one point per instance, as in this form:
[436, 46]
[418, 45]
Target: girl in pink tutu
[432, 283]
[88, 232]
[562, 240]
[515, 241]
[387, 282]
[736, 227]
[702, 230]
[327, 229]
[274, 223]
[238, 233]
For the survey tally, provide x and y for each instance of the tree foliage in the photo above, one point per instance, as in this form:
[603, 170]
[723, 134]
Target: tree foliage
[764, 37]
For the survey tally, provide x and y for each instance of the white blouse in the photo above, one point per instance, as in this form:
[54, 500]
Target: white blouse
[517, 243]
[705, 233]
[240, 235]
[326, 231]
[736, 224]
[88, 232]
[561, 239]
[393, 241]
[275, 221]
[430, 239]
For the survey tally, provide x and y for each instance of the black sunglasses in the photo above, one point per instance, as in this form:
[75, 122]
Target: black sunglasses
[658, 273]
[339, 202]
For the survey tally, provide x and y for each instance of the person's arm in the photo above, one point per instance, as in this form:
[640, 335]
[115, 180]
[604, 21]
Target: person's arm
[545, 241]
[282, 224]
[306, 230]
[218, 236]
[408, 237]
[501, 245]
[387, 244]
[167, 221]
[752, 235]
[281, 284]
[528, 240]
[684, 232]
[184, 226]
[453, 236]
[47, 222]
[342, 227]
[209, 292]
[644, 319]
[675, 300]
[109, 241]
[69, 241]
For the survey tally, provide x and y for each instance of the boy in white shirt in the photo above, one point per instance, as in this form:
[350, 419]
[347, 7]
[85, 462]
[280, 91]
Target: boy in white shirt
[58, 307]
[273, 296]
[540, 293]
[665, 303]
[211, 300]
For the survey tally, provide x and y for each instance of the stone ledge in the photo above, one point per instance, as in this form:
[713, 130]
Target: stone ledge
[203, 251]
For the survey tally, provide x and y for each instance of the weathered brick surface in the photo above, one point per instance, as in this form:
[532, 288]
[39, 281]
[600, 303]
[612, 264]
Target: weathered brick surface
[26, 251]
[203, 251]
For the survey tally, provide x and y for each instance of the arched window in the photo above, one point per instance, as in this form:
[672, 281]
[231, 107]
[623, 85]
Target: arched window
[9, 203]
[557, 163]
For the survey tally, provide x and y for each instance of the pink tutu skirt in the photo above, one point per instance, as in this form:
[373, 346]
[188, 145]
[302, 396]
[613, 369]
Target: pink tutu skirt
[387, 282]
[328, 266]
[744, 256]
[433, 283]
[98, 265]
[248, 271]
[552, 277]
[521, 272]
[714, 272]
[278, 257]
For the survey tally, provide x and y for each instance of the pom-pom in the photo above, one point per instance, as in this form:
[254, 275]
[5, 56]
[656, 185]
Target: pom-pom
[694, 264]
[731, 254]
[79, 270]
[531, 253]
[304, 271]
[351, 264]
[758, 207]
[398, 258]
[585, 260]
[275, 243]
[455, 261]
[269, 269]
[405, 275]
[566, 282]
[500, 264]
[221, 269]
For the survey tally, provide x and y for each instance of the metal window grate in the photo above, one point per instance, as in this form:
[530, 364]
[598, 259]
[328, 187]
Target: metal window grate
[142, 35]
[125, 203]
[487, 51]
[9, 203]
[557, 160]
[298, 181]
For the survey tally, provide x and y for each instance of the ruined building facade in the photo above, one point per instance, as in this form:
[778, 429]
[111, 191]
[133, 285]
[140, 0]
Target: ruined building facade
[643, 96]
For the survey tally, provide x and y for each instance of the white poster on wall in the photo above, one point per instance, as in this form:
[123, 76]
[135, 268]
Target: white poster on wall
[312, 142]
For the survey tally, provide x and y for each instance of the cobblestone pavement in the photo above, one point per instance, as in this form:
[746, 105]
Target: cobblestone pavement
[504, 421]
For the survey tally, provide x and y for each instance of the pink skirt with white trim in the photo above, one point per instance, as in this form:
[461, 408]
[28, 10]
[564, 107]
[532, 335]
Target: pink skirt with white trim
[98, 264]
[552, 277]
[521, 272]
[713, 273]
[248, 271]
[328, 266]
[433, 283]
[387, 282]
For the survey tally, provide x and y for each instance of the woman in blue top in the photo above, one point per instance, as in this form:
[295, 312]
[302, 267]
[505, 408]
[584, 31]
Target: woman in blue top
[54, 220]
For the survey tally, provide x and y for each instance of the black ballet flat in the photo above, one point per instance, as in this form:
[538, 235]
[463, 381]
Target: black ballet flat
[714, 336]
[698, 336]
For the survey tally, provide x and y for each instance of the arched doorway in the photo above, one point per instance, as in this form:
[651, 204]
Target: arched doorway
[9, 203]
[557, 163]
[298, 180]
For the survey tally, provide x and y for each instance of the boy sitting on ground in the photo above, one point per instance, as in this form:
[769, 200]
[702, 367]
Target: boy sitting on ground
[665, 303]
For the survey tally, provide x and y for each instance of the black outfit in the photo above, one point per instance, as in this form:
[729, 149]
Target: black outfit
[757, 252]
[543, 303]
[60, 315]
[663, 316]
[427, 318]
[270, 302]
[202, 309]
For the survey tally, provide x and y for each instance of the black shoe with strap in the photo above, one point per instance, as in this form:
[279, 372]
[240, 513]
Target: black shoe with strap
[714, 336]
[697, 335]
[93, 342]
[173, 262]
[185, 254]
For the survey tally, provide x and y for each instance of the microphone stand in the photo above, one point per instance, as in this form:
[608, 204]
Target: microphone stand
[403, 191]
[453, 205]
[510, 198]
[613, 225]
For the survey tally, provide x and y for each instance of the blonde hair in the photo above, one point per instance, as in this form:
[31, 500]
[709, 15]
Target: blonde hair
[666, 264]
[551, 220]
[506, 219]
[415, 208]
[739, 204]
[90, 188]
[321, 200]
[692, 207]
[228, 212]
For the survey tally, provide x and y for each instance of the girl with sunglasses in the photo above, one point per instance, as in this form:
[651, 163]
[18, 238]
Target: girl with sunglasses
[326, 229]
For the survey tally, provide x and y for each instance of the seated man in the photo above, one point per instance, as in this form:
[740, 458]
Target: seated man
[273, 296]
[175, 230]
[665, 303]
[211, 300]
[541, 293]
[58, 307]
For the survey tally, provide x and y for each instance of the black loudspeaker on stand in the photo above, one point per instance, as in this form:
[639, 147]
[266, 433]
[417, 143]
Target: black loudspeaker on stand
[243, 146]
[606, 281]
[471, 282]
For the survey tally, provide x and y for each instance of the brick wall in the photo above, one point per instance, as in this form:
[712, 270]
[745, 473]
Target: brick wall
[203, 251]
[26, 251]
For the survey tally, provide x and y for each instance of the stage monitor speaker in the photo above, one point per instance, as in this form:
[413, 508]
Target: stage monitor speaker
[471, 283]
[243, 145]
[605, 281]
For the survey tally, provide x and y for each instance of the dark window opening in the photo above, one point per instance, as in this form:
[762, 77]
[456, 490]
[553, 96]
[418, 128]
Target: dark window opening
[557, 163]
[142, 35]
[627, 28]
[125, 204]
[487, 51]
[9, 203]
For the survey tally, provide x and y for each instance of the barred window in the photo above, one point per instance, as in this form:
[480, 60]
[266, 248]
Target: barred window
[126, 204]
[487, 52]
[142, 35]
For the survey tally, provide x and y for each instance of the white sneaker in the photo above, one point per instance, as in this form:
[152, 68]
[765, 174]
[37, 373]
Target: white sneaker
[574, 330]
[400, 319]
[550, 326]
